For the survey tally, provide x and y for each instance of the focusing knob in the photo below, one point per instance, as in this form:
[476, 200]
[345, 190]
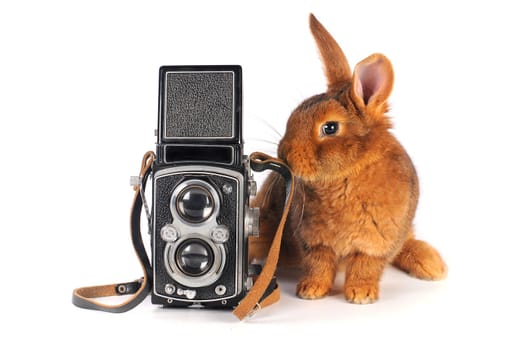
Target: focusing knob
[252, 222]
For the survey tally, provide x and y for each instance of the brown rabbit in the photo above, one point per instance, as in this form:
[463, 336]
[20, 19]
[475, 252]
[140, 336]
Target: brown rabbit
[357, 189]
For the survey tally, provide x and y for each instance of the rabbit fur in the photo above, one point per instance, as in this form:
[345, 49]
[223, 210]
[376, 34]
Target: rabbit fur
[356, 187]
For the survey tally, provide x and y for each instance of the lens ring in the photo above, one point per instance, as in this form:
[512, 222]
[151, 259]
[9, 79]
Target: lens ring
[212, 274]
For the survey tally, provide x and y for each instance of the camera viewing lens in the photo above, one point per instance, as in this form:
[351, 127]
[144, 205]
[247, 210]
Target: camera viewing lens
[195, 204]
[194, 257]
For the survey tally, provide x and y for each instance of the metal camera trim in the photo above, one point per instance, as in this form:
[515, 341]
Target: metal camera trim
[212, 275]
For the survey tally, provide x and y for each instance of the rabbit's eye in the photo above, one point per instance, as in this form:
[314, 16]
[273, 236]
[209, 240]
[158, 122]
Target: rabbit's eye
[330, 128]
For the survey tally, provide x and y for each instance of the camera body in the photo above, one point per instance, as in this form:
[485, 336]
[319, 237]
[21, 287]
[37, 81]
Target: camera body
[201, 184]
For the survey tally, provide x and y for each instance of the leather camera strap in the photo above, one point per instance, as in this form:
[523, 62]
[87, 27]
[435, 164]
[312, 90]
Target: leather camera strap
[259, 295]
[251, 302]
[85, 297]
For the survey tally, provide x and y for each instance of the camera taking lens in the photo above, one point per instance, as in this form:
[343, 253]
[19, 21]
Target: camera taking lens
[194, 257]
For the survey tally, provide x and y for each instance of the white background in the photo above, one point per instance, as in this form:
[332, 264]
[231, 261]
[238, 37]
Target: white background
[78, 106]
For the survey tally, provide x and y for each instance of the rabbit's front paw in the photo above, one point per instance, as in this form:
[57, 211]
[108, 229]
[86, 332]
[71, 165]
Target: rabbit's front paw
[362, 294]
[311, 288]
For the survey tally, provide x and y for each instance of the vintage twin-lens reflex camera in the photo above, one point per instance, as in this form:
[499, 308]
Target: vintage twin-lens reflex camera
[201, 185]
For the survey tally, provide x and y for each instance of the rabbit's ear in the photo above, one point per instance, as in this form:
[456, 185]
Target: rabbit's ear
[372, 83]
[337, 70]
